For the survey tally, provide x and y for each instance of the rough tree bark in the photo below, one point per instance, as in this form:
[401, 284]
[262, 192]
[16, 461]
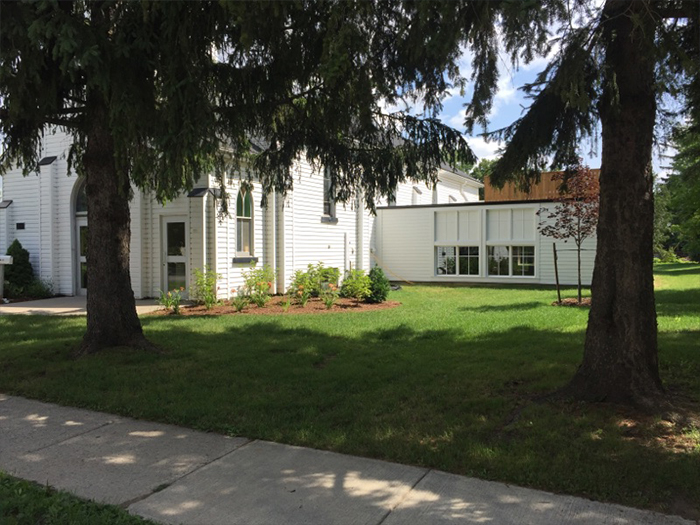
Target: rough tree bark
[620, 362]
[111, 308]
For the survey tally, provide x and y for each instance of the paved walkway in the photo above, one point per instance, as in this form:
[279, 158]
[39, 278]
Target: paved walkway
[64, 306]
[175, 475]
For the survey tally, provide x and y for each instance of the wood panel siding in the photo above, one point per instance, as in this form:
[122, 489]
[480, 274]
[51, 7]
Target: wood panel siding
[544, 190]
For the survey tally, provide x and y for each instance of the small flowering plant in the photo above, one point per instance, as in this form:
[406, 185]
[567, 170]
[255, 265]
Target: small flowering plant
[329, 294]
[303, 294]
[171, 299]
[286, 303]
[258, 284]
[239, 300]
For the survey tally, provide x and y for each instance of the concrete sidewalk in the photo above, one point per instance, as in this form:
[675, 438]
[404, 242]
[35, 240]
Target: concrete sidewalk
[64, 306]
[175, 475]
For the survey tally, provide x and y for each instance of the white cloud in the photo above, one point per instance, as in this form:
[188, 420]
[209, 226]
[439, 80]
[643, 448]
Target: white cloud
[457, 121]
[483, 149]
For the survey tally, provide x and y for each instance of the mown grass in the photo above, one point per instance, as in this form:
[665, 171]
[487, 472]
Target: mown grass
[26, 503]
[449, 380]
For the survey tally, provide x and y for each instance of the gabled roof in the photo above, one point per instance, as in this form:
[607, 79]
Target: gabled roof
[455, 171]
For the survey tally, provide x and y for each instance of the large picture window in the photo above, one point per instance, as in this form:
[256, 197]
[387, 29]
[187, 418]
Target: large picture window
[516, 261]
[244, 223]
[457, 260]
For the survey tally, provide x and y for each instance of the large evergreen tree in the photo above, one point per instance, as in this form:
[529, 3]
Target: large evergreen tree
[682, 192]
[156, 94]
[614, 66]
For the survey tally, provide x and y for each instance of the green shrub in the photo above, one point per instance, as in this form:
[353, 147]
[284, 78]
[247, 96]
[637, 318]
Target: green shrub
[356, 285]
[39, 289]
[379, 286]
[204, 290]
[12, 291]
[258, 284]
[319, 276]
[20, 273]
[668, 256]
[312, 282]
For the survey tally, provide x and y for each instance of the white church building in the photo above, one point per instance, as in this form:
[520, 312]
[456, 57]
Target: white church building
[425, 235]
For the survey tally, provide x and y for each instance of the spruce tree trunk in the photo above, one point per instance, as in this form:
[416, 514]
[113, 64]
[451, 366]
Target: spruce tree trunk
[111, 308]
[620, 362]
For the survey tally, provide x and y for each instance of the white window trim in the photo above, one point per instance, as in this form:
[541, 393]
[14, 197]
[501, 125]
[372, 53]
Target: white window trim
[510, 246]
[456, 248]
[251, 225]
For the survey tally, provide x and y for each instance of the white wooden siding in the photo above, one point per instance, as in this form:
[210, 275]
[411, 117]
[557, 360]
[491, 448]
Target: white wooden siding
[406, 239]
[567, 256]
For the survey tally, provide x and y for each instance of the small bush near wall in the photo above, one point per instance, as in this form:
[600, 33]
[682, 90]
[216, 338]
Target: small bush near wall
[379, 286]
[20, 273]
[258, 284]
[39, 289]
[204, 289]
[356, 285]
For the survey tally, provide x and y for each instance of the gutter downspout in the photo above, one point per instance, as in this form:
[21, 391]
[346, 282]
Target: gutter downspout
[204, 230]
[359, 233]
[461, 191]
[215, 254]
[280, 244]
[271, 217]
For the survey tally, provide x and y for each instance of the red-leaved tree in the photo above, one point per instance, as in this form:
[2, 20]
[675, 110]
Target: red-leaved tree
[576, 214]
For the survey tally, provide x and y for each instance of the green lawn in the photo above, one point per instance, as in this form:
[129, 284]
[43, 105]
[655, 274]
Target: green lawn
[26, 503]
[444, 381]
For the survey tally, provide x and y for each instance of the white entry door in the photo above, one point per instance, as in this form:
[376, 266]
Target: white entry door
[174, 269]
[81, 228]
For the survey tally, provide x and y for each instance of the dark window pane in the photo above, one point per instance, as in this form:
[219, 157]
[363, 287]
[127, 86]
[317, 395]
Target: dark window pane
[498, 260]
[81, 200]
[524, 260]
[474, 266]
[176, 238]
[248, 205]
[328, 204]
[239, 205]
[83, 241]
[83, 275]
[469, 260]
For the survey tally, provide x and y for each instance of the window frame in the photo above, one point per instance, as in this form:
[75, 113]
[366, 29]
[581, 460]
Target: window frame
[247, 221]
[456, 256]
[511, 260]
[328, 195]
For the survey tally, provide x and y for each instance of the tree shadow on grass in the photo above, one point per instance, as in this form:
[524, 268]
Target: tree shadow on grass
[678, 302]
[502, 307]
[678, 269]
[435, 398]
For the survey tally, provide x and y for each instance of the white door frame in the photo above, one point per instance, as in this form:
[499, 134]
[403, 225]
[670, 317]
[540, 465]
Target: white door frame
[165, 258]
[80, 222]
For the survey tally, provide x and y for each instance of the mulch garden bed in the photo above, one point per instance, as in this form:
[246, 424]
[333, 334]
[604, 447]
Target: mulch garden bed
[571, 301]
[274, 307]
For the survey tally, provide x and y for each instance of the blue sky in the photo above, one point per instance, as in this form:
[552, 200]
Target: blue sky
[509, 104]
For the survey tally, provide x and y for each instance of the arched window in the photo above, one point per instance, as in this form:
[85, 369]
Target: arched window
[244, 223]
[81, 200]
